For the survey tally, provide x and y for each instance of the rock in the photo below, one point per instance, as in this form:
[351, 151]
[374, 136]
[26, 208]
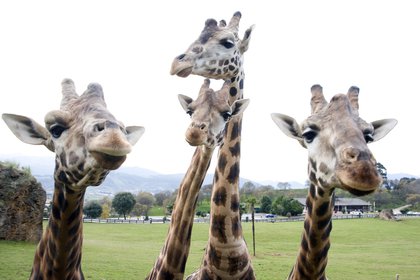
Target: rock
[22, 203]
[387, 214]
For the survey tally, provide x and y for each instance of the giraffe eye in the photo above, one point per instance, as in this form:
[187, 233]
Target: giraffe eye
[226, 116]
[368, 137]
[57, 130]
[227, 43]
[309, 136]
[190, 112]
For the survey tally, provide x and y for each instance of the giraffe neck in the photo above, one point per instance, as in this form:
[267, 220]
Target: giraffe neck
[226, 253]
[312, 258]
[174, 254]
[59, 253]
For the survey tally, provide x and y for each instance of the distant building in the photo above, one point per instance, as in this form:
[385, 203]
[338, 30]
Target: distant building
[344, 204]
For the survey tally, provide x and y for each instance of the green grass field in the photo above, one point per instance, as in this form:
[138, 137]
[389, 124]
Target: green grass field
[361, 249]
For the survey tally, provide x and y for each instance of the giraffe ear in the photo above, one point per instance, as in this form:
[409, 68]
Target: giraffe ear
[245, 41]
[28, 130]
[289, 126]
[239, 106]
[134, 133]
[382, 127]
[185, 101]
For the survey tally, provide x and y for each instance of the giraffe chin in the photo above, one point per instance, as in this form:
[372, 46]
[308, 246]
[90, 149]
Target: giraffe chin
[357, 192]
[359, 186]
[194, 142]
[184, 72]
[107, 161]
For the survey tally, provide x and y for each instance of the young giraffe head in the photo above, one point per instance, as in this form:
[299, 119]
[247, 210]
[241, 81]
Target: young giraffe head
[336, 139]
[86, 137]
[217, 53]
[209, 114]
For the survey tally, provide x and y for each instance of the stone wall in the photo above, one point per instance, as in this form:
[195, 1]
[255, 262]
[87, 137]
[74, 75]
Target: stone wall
[22, 203]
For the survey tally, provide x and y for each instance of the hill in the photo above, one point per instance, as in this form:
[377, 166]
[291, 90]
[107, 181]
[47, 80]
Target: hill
[127, 179]
[130, 179]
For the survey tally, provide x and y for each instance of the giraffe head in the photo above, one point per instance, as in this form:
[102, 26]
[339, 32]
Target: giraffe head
[87, 139]
[336, 139]
[209, 114]
[217, 53]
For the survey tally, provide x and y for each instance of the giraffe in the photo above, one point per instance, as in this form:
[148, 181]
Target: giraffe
[338, 157]
[88, 142]
[218, 54]
[209, 114]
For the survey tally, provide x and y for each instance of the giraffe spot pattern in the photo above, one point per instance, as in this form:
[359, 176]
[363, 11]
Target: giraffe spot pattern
[323, 223]
[214, 257]
[234, 203]
[218, 228]
[235, 150]
[233, 91]
[219, 197]
[236, 227]
[236, 130]
[313, 240]
[237, 264]
[309, 205]
[222, 162]
[323, 208]
[312, 190]
[233, 173]
[327, 232]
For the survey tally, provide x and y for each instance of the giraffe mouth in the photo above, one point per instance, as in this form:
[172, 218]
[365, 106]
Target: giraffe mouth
[181, 68]
[357, 192]
[359, 178]
[107, 161]
[183, 73]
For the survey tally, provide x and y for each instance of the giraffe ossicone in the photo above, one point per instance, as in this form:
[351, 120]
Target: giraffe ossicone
[338, 157]
[88, 142]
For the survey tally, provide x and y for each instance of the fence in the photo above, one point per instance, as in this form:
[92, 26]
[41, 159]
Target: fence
[207, 220]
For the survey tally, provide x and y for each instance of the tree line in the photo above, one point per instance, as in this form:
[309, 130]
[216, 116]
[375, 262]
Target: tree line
[278, 200]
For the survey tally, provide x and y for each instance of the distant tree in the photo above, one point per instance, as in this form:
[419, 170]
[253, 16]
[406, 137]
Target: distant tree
[265, 205]
[161, 196]
[384, 174]
[47, 210]
[139, 210]
[293, 207]
[92, 210]
[106, 210]
[106, 201]
[413, 199]
[169, 208]
[283, 205]
[277, 206]
[265, 191]
[205, 193]
[283, 185]
[123, 203]
[248, 189]
[146, 201]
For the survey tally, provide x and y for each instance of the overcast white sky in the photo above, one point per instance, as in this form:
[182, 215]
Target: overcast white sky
[128, 47]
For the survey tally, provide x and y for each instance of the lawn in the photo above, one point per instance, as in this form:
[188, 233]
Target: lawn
[361, 249]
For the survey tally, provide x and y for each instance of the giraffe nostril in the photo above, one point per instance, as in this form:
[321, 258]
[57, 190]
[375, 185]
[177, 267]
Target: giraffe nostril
[351, 154]
[180, 57]
[202, 126]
